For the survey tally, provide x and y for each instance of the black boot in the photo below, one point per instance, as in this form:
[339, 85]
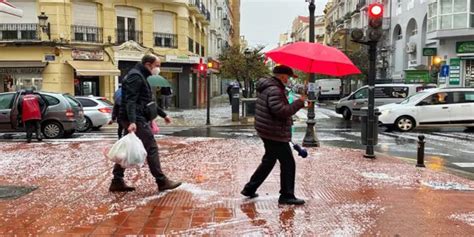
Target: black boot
[249, 194]
[118, 185]
[290, 201]
[167, 185]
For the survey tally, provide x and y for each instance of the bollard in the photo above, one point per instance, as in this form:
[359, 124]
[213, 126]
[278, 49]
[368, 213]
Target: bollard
[420, 161]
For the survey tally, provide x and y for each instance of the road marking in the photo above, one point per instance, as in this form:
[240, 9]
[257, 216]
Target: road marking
[465, 164]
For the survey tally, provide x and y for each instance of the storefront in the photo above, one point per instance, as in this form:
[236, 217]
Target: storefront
[16, 75]
[91, 73]
[465, 53]
[188, 90]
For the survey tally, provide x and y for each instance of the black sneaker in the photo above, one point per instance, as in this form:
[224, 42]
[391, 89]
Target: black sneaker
[291, 201]
[249, 194]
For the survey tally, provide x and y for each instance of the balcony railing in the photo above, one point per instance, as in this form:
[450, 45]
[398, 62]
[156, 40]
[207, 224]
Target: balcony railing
[87, 34]
[202, 9]
[165, 40]
[19, 32]
[124, 35]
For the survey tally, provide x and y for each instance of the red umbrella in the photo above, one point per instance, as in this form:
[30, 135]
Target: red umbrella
[314, 58]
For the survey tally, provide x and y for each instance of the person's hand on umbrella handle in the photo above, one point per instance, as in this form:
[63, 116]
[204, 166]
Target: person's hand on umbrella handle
[132, 127]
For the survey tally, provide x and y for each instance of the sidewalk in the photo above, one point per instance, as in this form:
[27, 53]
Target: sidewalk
[346, 194]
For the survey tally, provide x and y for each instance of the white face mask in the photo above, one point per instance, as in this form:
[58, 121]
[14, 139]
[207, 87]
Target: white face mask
[155, 71]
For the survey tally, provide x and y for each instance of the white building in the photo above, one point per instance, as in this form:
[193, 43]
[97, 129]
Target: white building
[444, 25]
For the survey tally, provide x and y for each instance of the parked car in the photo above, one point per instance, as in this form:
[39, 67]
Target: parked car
[60, 118]
[440, 107]
[328, 88]
[384, 94]
[97, 112]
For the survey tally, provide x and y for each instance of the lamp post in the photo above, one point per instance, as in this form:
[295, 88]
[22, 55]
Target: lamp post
[383, 56]
[44, 24]
[310, 139]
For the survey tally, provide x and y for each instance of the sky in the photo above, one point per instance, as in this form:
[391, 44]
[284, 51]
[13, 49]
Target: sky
[262, 21]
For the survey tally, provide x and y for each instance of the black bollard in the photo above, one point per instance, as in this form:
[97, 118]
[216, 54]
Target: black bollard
[420, 161]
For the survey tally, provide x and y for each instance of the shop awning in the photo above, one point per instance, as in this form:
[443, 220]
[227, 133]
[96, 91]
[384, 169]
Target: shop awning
[94, 68]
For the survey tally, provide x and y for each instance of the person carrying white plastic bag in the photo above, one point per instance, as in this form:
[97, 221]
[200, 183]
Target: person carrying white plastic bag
[128, 152]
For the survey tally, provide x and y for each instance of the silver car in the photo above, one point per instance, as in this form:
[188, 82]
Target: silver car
[384, 94]
[97, 112]
[61, 117]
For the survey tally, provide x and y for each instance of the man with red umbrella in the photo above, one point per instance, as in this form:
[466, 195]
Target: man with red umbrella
[273, 124]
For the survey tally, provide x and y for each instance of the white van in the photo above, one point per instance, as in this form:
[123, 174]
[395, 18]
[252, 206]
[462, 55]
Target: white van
[440, 107]
[384, 94]
[328, 88]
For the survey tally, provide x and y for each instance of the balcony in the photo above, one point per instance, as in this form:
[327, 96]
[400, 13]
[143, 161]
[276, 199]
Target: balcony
[165, 40]
[19, 32]
[124, 35]
[89, 34]
[197, 6]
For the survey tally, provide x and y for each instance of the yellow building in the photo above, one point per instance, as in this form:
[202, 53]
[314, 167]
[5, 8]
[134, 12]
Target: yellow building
[85, 47]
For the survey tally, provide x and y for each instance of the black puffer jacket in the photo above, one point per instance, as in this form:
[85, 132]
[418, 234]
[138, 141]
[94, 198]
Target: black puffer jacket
[273, 112]
[136, 93]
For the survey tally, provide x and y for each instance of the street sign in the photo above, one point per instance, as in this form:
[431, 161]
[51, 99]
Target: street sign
[444, 71]
[430, 51]
[454, 78]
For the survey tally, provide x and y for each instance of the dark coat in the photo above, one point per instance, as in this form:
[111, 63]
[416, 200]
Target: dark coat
[136, 94]
[273, 112]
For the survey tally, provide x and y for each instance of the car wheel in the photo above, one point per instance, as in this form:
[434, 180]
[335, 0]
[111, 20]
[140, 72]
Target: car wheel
[346, 113]
[52, 129]
[87, 126]
[405, 124]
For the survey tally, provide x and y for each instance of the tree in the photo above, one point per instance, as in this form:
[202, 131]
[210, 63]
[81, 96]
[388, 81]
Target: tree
[360, 58]
[243, 65]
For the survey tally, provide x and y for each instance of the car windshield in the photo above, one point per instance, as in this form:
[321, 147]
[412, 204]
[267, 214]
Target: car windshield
[414, 97]
[104, 100]
[72, 101]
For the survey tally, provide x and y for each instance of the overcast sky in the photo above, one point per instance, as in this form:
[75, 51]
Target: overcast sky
[262, 21]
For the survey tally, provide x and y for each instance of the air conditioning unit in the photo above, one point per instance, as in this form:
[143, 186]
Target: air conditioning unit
[412, 63]
[411, 47]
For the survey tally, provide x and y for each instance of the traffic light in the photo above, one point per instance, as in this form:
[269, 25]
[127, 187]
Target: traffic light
[375, 12]
[201, 67]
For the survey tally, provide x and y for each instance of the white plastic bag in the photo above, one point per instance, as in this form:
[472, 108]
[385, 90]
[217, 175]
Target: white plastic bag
[128, 151]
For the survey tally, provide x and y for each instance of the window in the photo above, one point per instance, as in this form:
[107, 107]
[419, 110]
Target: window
[391, 92]
[190, 45]
[87, 102]
[127, 24]
[51, 100]
[72, 101]
[202, 51]
[361, 94]
[164, 30]
[197, 48]
[453, 14]
[84, 27]
[436, 99]
[6, 101]
[105, 101]
[468, 96]
[432, 16]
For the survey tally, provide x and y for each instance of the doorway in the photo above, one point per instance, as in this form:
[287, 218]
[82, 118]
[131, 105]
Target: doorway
[85, 86]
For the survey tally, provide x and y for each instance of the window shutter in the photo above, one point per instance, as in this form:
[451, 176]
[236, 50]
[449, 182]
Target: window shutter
[30, 12]
[163, 22]
[84, 14]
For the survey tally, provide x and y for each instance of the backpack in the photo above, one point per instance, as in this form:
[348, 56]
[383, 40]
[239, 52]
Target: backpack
[118, 96]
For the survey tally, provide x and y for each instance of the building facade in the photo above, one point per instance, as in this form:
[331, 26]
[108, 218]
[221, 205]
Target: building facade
[443, 27]
[300, 29]
[86, 47]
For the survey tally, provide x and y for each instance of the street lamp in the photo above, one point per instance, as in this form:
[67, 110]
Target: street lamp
[310, 139]
[44, 24]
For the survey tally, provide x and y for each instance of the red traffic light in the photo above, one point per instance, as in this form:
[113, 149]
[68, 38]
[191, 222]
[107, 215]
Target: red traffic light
[375, 10]
[202, 67]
